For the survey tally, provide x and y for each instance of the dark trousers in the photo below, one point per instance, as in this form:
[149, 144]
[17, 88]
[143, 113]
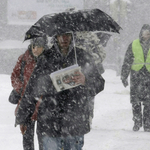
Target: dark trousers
[28, 137]
[146, 116]
[141, 116]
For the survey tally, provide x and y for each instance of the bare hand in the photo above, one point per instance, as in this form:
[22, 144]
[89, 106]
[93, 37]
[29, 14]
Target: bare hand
[34, 116]
[23, 129]
[79, 78]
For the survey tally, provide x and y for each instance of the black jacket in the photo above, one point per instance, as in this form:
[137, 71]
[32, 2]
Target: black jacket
[61, 113]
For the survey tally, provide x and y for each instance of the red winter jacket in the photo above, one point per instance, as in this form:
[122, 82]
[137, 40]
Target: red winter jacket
[17, 84]
[28, 69]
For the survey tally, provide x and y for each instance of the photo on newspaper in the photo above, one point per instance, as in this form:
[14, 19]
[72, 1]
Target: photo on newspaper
[62, 79]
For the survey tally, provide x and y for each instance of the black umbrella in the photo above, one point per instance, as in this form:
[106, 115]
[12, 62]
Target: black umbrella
[73, 21]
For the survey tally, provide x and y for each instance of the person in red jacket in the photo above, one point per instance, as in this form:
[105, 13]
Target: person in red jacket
[30, 58]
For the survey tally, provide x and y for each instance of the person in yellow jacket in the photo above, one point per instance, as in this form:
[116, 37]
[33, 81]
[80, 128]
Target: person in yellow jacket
[137, 65]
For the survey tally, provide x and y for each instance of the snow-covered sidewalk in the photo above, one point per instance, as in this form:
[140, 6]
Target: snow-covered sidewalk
[112, 123]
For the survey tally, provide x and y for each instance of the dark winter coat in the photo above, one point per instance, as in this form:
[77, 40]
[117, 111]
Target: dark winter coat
[139, 80]
[61, 113]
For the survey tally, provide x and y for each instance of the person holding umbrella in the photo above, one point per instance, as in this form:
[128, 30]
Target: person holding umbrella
[91, 43]
[94, 44]
[63, 117]
[137, 62]
[30, 59]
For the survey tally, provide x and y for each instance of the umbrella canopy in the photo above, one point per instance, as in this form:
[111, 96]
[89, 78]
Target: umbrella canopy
[72, 21]
[92, 38]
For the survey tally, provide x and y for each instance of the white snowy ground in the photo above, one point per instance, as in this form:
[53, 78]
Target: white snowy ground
[112, 123]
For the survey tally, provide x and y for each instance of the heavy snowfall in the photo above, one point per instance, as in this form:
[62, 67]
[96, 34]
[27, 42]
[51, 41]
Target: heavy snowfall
[111, 127]
[112, 123]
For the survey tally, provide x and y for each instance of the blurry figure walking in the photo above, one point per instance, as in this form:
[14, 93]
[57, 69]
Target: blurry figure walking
[137, 64]
[91, 43]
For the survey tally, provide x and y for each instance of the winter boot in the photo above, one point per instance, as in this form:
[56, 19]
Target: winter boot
[146, 125]
[146, 118]
[137, 125]
[137, 116]
[146, 129]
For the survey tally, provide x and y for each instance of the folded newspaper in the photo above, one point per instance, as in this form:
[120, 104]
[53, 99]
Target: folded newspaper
[62, 79]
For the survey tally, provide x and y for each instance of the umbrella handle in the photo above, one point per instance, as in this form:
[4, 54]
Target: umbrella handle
[74, 48]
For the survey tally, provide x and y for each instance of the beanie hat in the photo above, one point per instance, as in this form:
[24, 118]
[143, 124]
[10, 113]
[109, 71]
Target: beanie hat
[39, 41]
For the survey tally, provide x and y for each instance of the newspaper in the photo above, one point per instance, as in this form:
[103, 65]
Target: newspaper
[62, 79]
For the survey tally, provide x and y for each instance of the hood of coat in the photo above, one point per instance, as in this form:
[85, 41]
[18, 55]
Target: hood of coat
[55, 43]
[34, 57]
[144, 30]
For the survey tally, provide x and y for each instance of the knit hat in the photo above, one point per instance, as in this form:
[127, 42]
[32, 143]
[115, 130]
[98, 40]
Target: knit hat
[39, 41]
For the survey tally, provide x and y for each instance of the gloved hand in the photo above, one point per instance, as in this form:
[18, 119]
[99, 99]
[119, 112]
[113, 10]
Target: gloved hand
[125, 82]
[23, 128]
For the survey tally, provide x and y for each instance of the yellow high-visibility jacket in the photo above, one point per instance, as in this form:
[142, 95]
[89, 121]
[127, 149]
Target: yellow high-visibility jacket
[139, 61]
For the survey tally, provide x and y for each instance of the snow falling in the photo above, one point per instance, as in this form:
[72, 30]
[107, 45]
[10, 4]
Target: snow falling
[112, 123]
[111, 127]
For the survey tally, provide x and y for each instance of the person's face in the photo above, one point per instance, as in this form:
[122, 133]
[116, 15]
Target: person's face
[146, 35]
[64, 40]
[37, 50]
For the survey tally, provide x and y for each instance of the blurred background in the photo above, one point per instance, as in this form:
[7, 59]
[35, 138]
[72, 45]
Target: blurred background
[16, 17]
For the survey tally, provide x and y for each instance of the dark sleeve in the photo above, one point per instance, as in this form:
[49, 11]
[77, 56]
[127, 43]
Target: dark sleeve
[38, 85]
[94, 81]
[25, 110]
[94, 84]
[28, 102]
[128, 60]
[44, 86]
